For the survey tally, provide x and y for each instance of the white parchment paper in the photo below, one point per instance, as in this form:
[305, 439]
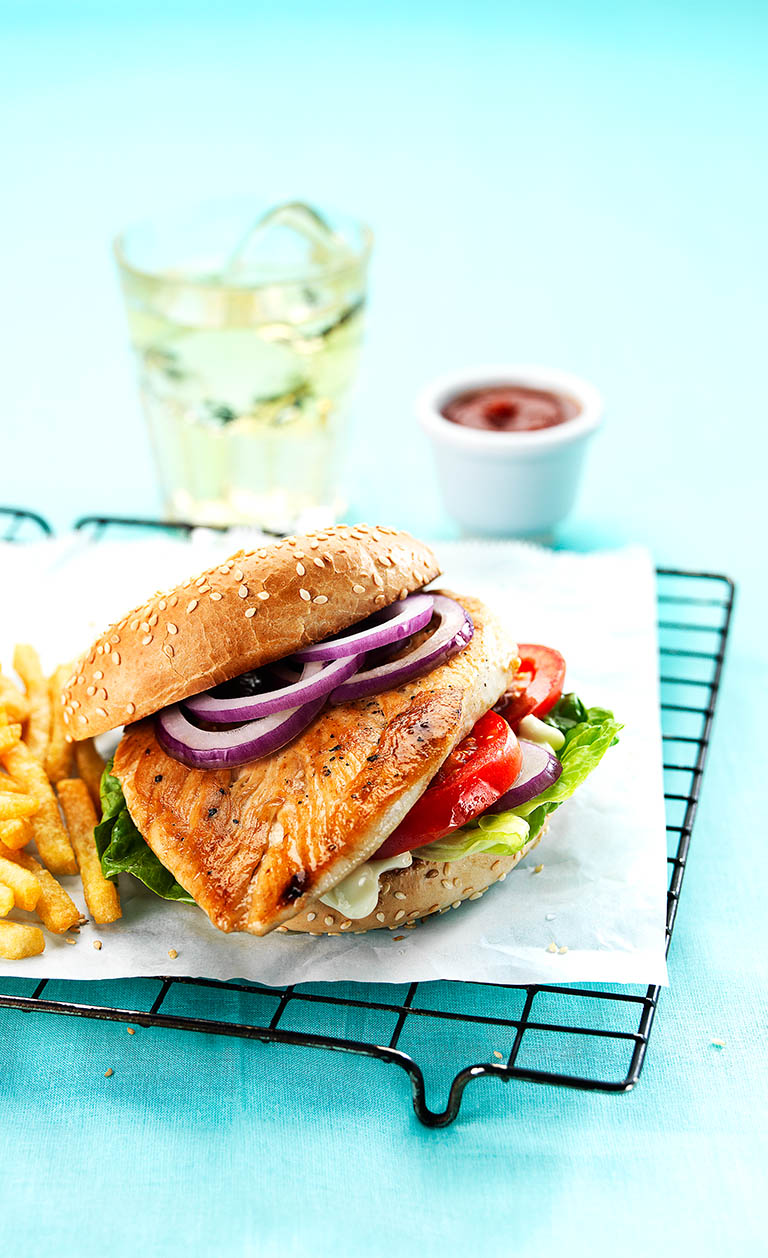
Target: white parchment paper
[601, 893]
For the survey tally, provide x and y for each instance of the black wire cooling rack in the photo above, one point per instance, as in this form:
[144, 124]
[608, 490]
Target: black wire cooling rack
[445, 1033]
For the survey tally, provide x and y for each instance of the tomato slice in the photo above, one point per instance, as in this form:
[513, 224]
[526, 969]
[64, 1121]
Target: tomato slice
[475, 775]
[537, 686]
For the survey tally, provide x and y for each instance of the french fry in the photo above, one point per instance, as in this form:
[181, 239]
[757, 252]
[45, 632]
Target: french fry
[90, 767]
[101, 895]
[14, 702]
[9, 736]
[47, 828]
[7, 900]
[16, 833]
[59, 757]
[54, 907]
[17, 941]
[7, 783]
[26, 661]
[23, 883]
[16, 805]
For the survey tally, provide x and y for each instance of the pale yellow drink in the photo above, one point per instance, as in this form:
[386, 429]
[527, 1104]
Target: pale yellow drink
[247, 344]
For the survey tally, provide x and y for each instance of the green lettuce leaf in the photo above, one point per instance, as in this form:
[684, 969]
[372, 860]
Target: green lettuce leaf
[122, 849]
[589, 732]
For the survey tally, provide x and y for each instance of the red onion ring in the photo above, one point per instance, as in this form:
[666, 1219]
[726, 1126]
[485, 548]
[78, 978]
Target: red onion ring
[315, 680]
[451, 635]
[217, 749]
[393, 624]
[540, 768]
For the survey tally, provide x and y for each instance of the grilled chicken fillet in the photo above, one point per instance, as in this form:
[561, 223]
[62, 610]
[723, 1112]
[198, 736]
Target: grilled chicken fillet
[255, 844]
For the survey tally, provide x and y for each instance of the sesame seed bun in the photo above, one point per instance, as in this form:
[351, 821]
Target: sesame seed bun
[407, 895]
[253, 608]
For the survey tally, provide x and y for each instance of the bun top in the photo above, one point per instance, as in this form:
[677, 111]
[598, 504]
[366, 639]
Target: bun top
[255, 607]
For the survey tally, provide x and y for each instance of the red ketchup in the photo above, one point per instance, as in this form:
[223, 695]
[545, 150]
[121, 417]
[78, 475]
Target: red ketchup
[509, 408]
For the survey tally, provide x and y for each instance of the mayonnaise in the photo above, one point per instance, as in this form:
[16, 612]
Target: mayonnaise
[537, 731]
[357, 895]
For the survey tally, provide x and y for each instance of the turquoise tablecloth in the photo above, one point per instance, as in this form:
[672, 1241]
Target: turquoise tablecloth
[578, 184]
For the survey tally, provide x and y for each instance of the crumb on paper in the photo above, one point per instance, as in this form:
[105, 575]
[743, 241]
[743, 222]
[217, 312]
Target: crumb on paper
[397, 938]
[97, 945]
[496, 1053]
[537, 869]
[131, 1030]
[108, 1073]
[552, 947]
[550, 917]
[172, 953]
[70, 941]
[718, 1043]
[562, 951]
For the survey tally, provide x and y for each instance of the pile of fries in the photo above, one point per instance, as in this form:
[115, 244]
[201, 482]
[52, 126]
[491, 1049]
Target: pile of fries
[49, 797]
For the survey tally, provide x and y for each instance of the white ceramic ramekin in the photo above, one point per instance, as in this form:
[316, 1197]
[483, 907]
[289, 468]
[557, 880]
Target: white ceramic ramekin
[517, 483]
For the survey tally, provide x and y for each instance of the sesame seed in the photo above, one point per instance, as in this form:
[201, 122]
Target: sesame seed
[243, 591]
[328, 921]
[400, 913]
[476, 895]
[162, 605]
[496, 1053]
[75, 704]
[115, 657]
[404, 592]
[562, 951]
[456, 904]
[300, 569]
[379, 917]
[216, 597]
[171, 629]
[172, 953]
[400, 895]
[102, 711]
[91, 691]
[191, 605]
[130, 1030]
[496, 865]
[305, 594]
[238, 574]
[538, 869]
[380, 599]
[145, 641]
[115, 639]
[251, 611]
[108, 1073]
[446, 882]
[204, 589]
[263, 594]
[134, 625]
[281, 930]
[97, 945]
[145, 626]
[200, 581]
[311, 917]
[82, 719]
[552, 947]
[359, 589]
[321, 598]
[313, 545]
[168, 649]
[131, 709]
[317, 561]
[153, 619]
[98, 675]
[173, 600]
[345, 925]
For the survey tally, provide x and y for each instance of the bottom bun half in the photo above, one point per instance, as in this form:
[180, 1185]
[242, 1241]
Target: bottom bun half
[407, 895]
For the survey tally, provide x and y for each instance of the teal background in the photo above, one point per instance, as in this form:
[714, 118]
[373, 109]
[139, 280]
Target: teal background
[579, 184]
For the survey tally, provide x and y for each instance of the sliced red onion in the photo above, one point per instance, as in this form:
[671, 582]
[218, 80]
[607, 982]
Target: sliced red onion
[216, 749]
[540, 768]
[315, 680]
[392, 624]
[452, 634]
